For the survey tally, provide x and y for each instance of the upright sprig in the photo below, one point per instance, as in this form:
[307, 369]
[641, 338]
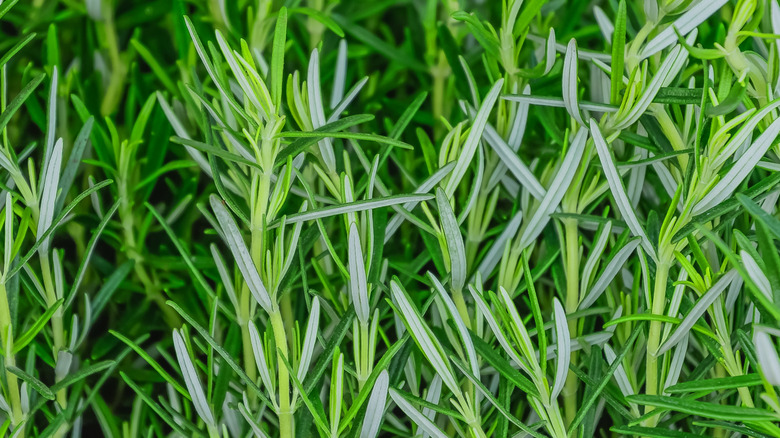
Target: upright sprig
[353, 218]
[39, 318]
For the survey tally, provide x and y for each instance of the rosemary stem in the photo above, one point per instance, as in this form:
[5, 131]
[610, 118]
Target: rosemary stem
[7, 338]
[654, 336]
[569, 391]
[286, 426]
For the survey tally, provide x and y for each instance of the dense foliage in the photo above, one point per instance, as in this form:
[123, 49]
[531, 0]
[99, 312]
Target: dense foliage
[425, 218]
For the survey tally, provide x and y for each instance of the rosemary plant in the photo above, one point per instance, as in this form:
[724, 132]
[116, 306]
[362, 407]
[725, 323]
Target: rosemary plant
[366, 219]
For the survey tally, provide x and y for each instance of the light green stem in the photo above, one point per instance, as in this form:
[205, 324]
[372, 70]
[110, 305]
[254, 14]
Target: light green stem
[250, 367]
[460, 304]
[439, 73]
[7, 338]
[113, 93]
[286, 425]
[58, 331]
[569, 392]
[654, 336]
[364, 365]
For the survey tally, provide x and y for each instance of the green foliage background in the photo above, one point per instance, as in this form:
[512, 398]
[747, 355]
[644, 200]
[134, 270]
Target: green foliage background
[389, 218]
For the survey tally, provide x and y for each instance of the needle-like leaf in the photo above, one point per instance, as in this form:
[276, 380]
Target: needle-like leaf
[618, 190]
[235, 242]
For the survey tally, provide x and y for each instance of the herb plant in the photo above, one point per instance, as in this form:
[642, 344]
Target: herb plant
[427, 218]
